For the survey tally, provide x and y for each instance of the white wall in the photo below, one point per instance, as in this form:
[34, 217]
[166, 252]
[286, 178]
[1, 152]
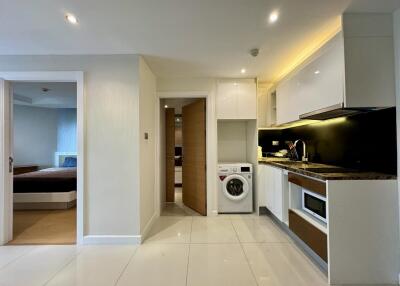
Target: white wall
[66, 130]
[35, 135]
[232, 141]
[147, 115]
[111, 172]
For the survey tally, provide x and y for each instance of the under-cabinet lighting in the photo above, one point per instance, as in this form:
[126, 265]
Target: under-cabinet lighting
[330, 121]
[314, 123]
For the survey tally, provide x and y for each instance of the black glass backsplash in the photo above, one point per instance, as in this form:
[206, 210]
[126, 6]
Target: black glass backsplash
[365, 141]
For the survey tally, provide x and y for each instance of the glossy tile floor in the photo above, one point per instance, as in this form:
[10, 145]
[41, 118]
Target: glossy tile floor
[180, 250]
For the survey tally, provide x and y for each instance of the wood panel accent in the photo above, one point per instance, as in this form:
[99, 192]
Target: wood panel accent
[312, 236]
[170, 154]
[307, 183]
[194, 192]
[25, 169]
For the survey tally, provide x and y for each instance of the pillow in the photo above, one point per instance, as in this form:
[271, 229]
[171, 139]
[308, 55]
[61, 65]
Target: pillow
[69, 162]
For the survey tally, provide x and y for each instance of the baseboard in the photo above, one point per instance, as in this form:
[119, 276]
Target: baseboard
[148, 227]
[111, 239]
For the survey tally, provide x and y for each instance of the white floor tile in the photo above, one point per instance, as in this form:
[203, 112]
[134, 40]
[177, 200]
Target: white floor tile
[157, 264]
[170, 230]
[95, 265]
[213, 230]
[257, 230]
[282, 264]
[10, 253]
[37, 266]
[245, 216]
[179, 251]
[218, 264]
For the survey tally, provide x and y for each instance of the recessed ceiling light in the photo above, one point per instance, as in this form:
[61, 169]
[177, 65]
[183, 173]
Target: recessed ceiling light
[243, 70]
[235, 83]
[273, 17]
[165, 106]
[317, 72]
[71, 19]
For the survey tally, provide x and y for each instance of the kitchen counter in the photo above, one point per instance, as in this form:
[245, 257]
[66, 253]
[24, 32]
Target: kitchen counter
[324, 172]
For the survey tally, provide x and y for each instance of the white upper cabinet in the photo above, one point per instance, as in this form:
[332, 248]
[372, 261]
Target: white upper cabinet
[236, 99]
[354, 69]
[369, 57]
[316, 84]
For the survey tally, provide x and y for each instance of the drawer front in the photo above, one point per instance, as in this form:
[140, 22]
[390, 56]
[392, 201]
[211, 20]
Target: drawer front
[308, 233]
[307, 183]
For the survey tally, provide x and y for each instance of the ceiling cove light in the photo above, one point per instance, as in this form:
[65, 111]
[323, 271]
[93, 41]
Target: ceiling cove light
[273, 17]
[243, 71]
[71, 19]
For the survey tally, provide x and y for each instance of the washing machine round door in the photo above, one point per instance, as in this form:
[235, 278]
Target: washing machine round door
[235, 187]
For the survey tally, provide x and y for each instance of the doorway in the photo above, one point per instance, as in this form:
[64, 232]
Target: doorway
[43, 127]
[184, 122]
[59, 215]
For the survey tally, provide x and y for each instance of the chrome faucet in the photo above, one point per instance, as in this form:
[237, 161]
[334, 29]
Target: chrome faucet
[304, 155]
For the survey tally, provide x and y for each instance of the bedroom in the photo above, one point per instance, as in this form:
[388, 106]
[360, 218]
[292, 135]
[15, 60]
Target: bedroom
[44, 162]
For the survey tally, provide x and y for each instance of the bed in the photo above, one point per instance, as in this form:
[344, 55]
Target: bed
[50, 188]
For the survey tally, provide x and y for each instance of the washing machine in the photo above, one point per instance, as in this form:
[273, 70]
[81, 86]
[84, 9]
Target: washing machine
[235, 193]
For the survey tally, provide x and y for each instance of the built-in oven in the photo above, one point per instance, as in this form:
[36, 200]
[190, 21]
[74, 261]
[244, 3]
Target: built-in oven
[314, 204]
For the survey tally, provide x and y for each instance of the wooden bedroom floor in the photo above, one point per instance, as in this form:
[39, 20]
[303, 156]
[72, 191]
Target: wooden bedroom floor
[44, 227]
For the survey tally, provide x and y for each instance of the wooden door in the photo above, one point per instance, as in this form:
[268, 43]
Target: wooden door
[170, 154]
[194, 156]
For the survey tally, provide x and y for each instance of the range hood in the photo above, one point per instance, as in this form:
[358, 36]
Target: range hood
[337, 110]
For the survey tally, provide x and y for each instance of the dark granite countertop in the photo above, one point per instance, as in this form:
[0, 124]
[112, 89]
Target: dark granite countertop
[324, 172]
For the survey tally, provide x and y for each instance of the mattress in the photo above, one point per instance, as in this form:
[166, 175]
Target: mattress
[51, 180]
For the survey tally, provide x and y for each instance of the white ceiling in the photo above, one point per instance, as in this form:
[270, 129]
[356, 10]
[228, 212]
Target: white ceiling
[59, 94]
[180, 38]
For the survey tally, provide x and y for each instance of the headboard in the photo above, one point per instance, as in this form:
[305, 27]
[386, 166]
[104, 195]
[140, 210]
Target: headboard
[59, 157]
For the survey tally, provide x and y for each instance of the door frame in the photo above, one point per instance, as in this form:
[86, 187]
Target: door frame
[211, 145]
[48, 76]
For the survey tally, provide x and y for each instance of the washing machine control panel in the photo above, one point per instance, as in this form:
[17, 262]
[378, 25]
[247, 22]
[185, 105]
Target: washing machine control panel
[235, 169]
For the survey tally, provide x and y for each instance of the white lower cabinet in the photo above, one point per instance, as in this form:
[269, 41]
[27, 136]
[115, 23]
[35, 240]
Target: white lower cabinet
[273, 189]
